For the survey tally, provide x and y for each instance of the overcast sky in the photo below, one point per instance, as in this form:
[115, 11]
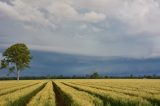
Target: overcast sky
[129, 28]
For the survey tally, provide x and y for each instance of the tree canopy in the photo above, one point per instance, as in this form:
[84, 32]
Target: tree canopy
[16, 58]
[95, 75]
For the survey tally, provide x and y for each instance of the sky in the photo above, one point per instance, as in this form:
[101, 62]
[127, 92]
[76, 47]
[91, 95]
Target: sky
[128, 28]
[55, 63]
[100, 28]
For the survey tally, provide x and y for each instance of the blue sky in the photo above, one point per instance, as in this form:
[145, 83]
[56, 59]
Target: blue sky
[123, 28]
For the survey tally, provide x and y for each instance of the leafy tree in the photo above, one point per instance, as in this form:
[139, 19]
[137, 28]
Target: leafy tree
[95, 75]
[16, 58]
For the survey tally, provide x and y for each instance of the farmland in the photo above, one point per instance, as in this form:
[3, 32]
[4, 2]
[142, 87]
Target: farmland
[80, 92]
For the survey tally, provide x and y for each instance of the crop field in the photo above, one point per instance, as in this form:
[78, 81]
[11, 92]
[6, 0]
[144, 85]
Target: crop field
[80, 92]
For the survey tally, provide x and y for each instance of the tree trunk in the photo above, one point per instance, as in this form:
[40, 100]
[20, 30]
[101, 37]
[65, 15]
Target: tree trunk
[17, 72]
[17, 75]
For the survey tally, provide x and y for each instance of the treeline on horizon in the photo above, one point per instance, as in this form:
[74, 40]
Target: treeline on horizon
[92, 76]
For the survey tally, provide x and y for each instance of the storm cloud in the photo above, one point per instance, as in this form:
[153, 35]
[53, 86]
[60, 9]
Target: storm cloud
[128, 28]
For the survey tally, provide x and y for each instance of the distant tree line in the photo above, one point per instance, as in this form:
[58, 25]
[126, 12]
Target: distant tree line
[17, 57]
[94, 75]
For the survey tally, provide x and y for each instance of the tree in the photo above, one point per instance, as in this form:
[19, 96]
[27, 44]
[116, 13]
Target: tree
[131, 76]
[95, 75]
[16, 58]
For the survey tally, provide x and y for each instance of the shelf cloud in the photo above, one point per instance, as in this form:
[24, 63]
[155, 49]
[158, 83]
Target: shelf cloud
[128, 28]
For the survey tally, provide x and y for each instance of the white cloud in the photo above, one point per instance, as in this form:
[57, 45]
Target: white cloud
[46, 12]
[23, 12]
[6, 9]
[94, 17]
[0, 56]
[97, 27]
[84, 26]
[140, 14]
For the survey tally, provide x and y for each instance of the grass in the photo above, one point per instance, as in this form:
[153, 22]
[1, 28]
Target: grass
[78, 98]
[45, 97]
[80, 92]
[21, 96]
